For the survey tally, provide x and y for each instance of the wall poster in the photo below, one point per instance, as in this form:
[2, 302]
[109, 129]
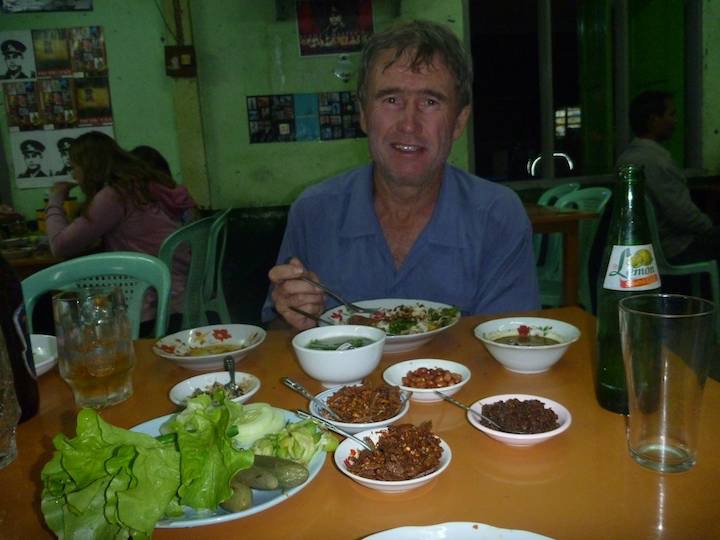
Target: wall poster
[55, 88]
[333, 26]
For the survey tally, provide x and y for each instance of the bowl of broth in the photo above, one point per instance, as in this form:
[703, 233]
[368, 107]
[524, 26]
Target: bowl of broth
[527, 344]
[339, 354]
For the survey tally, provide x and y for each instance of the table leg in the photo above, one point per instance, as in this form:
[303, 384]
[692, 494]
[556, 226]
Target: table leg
[571, 257]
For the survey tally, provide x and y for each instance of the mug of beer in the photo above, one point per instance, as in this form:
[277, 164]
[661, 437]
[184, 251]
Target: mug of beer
[95, 350]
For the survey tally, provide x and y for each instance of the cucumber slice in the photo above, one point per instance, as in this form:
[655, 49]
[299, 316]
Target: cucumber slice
[255, 422]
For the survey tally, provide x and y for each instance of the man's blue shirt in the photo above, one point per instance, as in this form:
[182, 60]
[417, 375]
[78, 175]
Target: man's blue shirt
[475, 252]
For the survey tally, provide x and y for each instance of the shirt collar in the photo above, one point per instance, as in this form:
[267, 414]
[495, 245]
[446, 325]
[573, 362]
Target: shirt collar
[446, 226]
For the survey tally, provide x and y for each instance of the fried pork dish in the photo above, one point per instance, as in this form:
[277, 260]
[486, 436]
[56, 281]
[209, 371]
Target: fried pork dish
[365, 403]
[527, 416]
[403, 452]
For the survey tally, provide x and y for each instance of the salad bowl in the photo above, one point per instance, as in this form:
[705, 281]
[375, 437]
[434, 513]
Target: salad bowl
[427, 320]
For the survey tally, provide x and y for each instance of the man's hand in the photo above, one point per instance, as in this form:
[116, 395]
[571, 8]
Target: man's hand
[290, 291]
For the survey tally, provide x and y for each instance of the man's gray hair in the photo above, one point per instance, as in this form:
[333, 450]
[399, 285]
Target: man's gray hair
[421, 40]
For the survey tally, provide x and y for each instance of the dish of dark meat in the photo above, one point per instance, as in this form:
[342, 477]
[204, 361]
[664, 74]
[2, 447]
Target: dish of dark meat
[365, 403]
[402, 452]
[527, 416]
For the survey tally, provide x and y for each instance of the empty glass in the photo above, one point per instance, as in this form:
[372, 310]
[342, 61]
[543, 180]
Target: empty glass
[667, 342]
[95, 350]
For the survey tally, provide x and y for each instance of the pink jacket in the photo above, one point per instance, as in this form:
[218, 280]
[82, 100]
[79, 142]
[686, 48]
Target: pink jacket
[124, 227]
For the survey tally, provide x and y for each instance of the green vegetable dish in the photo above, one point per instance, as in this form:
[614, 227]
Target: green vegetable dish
[332, 343]
[109, 482]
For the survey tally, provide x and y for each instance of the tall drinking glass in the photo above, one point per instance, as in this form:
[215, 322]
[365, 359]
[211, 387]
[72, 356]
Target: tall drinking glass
[95, 350]
[667, 342]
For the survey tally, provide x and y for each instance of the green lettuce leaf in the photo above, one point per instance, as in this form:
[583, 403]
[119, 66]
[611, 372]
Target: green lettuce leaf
[298, 441]
[107, 482]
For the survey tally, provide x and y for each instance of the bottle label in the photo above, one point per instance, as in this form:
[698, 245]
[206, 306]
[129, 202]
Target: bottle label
[632, 268]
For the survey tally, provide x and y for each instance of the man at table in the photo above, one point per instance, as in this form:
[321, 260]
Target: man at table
[408, 225]
[687, 234]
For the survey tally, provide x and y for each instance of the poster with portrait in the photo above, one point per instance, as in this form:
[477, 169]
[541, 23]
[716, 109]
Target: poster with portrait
[333, 26]
[93, 101]
[87, 51]
[41, 158]
[52, 53]
[18, 56]
[57, 99]
[22, 106]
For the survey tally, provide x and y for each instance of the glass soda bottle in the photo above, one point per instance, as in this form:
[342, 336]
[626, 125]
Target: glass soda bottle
[628, 268]
[13, 322]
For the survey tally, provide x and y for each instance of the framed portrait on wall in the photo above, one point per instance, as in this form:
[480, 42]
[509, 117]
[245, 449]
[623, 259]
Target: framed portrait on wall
[333, 26]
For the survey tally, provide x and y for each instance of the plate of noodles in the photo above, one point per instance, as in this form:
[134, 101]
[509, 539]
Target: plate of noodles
[204, 348]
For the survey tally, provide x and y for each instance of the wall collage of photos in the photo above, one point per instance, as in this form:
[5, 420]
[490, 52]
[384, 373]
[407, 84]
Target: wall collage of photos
[55, 88]
[325, 116]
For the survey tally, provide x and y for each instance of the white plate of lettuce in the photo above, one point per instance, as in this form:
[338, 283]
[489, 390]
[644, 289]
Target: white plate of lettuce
[262, 500]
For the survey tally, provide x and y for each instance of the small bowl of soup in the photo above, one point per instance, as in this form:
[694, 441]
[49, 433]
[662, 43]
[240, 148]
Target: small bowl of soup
[527, 344]
[339, 354]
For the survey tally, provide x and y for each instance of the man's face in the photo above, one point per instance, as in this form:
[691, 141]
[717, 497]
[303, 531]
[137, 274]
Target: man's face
[411, 120]
[33, 159]
[13, 60]
[663, 126]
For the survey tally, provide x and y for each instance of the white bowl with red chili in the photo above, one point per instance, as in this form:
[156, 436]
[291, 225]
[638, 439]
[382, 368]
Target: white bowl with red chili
[526, 419]
[424, 376]
[527, 344]
[363, 406]
[405, 457]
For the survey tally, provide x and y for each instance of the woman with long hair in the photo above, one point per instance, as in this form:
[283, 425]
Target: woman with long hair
[129, 206]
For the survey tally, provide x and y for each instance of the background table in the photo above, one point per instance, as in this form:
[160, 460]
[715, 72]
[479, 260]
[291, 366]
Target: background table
[582, 484]
[547, 220]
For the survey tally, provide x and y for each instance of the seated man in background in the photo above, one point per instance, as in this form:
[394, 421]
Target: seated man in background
[408, 225]
[686, 233]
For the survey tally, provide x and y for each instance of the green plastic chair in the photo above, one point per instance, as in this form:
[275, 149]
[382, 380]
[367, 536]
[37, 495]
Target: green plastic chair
[195, 236]
[550, 274]
[695, 270]
[213, 292]
[133, 272]
[548, 198]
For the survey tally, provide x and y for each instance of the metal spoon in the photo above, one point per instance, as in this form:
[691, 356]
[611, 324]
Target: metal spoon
[229, 363]
[333, 427]
[300, 389]
[477, 414]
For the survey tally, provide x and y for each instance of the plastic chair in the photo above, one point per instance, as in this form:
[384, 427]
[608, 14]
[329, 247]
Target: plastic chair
[213, 292]
[133, 272]
[548, 198]
[694, 270]
[196, 236]
[550, 275]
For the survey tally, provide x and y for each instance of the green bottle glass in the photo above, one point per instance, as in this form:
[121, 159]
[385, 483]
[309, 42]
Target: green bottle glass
[628, 268]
